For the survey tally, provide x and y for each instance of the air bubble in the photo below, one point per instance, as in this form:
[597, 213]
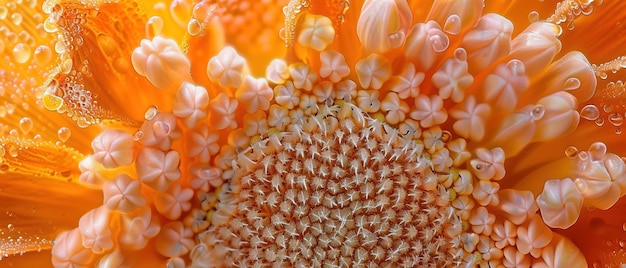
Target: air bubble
[151, 112]
[571, 152]
[64, 134]
[590, 112]
[10, 227]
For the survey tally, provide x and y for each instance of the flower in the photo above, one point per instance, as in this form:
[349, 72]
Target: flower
[347, 133]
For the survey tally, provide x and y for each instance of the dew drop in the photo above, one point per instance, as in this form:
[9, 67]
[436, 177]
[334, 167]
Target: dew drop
[26, 125]
[16, 18]
[21, 53]
[10, 227]
[138, 135]
[180, 11]
[597, 150]
[107, 44]
[64, 134]
[43, 55]
[460, 54]
[13, 151]
[571, 84]
[81, 122]
[452, 24]
[607, 108]
[4, 168]
[599, 122]
[618, 131]
[151, 112]
[624, 227]
[439, 42]
[194, 27]
[616, 119]
[571, 25]
[121, 65]
[154, 27]
[590, 112]
[571, 152]
[533, 16]
[537, 112]
[396, 39]
[516, 67]
[3, 12]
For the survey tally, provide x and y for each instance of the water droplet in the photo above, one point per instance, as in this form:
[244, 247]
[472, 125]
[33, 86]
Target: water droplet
[537, 112]
[107, 44]
[597, 150]
[439, 41]
[571, 84]
[10, 227]
[13, 151]
[452, 24]
[21, 53]
[516, 67]
[571, 25]
[460, 54]
[194, 27]
[590, 112]
[16, 18]
[151, 112]
[138, 135]
[624, 227]
[43, 55]
[571, 152]
[616, 119]
[26, 125]
[81, 122]
[64, 134]
[618, 131]
[599, 122]
[154, 26]
[3, 12]
[607, 108]
[121, 65]
[533, 16]
[180, 10]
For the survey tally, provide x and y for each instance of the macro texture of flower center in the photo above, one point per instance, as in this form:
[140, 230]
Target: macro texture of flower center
[308, 134]
[342, 189]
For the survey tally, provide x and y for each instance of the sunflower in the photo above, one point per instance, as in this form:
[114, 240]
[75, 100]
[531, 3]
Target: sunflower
[312, 133]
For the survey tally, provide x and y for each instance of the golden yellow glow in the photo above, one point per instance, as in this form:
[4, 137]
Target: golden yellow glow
[381, 132]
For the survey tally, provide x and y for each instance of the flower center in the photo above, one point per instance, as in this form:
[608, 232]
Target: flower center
[339, 188]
